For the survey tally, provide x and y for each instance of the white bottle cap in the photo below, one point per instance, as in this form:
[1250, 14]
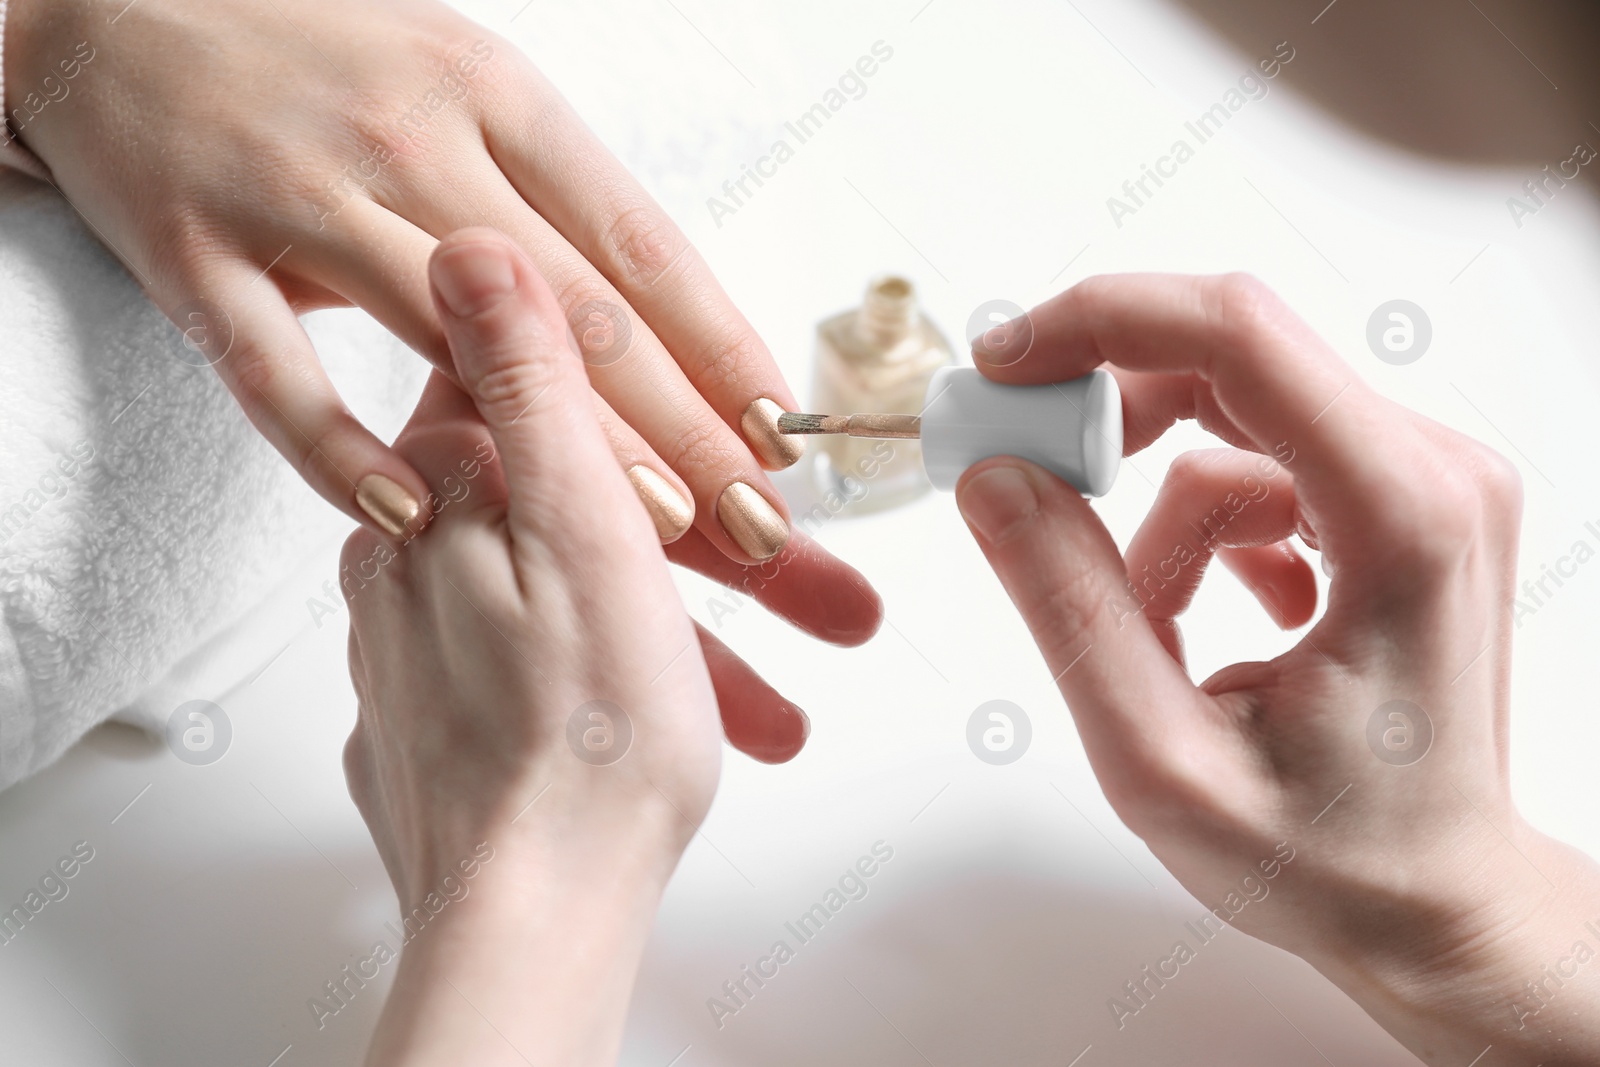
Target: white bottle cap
[1073, 429]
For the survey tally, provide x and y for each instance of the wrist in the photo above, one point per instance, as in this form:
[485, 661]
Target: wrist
[537, 832]
[1484, 958]
[544, 946]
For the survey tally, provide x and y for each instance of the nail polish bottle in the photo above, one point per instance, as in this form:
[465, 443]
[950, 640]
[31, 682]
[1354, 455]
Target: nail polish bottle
[878, 357]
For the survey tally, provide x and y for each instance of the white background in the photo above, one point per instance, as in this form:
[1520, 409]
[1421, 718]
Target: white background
[978, 163]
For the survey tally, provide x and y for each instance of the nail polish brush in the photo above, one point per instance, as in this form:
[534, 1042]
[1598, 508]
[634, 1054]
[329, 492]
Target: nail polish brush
[1073, 428]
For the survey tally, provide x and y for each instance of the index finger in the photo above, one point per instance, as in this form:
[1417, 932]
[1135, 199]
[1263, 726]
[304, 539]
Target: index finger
[616, 225]
[508, 339]
[1227, 351]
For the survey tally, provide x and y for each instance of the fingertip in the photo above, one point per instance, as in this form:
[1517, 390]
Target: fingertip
[840, 605]
[786, 731]
[854, 620]
[783, 732]
[488, 292]
[472, 271]
[999, 351]
[1298, 600]
[999, 498]
[756, 719]
[1280, 579]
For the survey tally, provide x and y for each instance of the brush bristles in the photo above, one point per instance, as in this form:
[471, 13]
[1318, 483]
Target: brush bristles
[792, 423]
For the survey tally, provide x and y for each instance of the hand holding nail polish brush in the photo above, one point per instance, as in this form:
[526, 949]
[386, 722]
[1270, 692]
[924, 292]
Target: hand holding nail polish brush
[1072, 428]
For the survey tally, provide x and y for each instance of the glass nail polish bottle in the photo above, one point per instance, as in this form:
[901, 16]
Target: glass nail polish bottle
[878, 357]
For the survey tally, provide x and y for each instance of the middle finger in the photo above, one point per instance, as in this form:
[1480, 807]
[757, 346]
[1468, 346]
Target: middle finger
[737, 507]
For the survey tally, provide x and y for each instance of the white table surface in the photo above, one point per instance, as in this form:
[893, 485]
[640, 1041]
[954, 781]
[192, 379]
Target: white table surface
[979, 163]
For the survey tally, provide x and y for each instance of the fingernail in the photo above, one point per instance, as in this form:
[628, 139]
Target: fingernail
[754, 524]
[760, 424]
[387, 503]
[669, 509]
[473, 278]
[998, 501]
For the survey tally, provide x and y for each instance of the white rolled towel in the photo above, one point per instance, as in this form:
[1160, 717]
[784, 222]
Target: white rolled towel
[143, 521]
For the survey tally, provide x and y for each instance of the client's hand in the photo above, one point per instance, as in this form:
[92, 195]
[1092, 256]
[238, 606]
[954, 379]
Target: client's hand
[252, 161]
[1360, 778]
[538, 734]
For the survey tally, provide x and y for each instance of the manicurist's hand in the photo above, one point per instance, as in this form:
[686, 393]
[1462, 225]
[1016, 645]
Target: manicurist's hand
[1360, 778]
[538, 734]
[250, 161]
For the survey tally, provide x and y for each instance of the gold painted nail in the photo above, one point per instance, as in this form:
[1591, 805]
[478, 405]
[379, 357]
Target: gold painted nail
[760, 425]
[669, 509]
[388, 503]
[754, 524]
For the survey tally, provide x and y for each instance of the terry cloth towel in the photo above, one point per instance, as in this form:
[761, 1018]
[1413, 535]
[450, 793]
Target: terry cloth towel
[142, 518]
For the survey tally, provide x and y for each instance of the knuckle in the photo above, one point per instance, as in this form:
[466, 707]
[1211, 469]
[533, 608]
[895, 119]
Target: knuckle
[1237, 304]
[600, 329]
[720, 367]
[510, 387]
[1064, 612]
[356, 760]
[704, 447]
[1499, 482]
[581, 291]
[317, 450]
[183, 252]
[1440, 525]
[479, 55]
[256, 379]
[1195, 465]
[442, 49]
[1091, 290]
[255, 374]
[644, 244]
[398, 126]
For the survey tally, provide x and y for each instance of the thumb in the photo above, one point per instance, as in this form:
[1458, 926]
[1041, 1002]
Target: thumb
[513, 356]
[1066, 577]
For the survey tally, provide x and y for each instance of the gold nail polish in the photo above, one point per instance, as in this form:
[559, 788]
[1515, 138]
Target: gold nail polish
[669, 509]
[760, 426]
[878, 357]
[754, 524]
[388, 503]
